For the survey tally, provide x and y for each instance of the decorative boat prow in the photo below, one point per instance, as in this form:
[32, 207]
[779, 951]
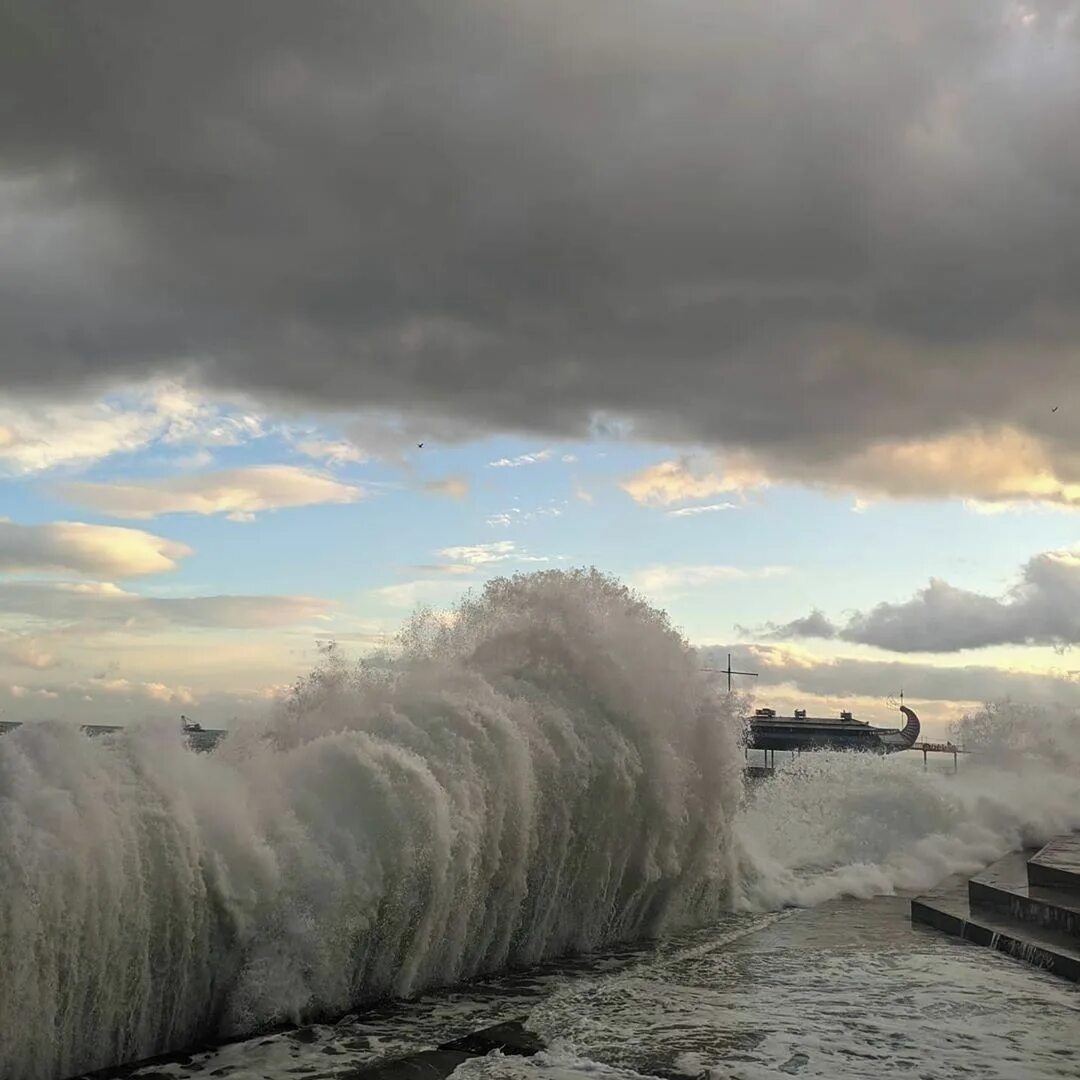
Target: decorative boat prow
[905, 738]
[768, 731]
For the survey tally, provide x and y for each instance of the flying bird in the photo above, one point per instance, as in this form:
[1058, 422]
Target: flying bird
[420, 446]
[1054, 409]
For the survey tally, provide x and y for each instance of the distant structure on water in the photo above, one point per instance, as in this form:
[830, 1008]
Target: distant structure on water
[198, 737]
[768, 731]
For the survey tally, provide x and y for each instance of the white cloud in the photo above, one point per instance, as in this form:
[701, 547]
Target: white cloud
[711, 508]
[516, 516]
[190, 418]
[456, 487]
[35, 437]
[465, 560]
[154, 691]
[237, 493]
[481, 554]
[94, 550]
[521, 459]
[25, 691]
[26, 650]
[669, 579]
[451, 569]
[686, 479]
[486, 554]
[333, 452]
[408, 594]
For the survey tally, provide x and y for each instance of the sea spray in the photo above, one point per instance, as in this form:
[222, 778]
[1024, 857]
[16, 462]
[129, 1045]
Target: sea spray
[837, 824]
[542, 771]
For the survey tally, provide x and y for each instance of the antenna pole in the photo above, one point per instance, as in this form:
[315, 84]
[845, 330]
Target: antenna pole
[729, 671]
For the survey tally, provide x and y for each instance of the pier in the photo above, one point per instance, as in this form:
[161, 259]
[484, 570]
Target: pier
[769, 732]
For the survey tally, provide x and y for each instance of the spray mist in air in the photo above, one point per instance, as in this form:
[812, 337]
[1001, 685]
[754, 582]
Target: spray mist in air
[542, 771]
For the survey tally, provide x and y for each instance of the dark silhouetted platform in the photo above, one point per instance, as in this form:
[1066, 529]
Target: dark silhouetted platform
[1026, 904]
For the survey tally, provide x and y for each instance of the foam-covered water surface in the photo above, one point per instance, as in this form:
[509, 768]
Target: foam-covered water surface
[845, 824]
[846, 990]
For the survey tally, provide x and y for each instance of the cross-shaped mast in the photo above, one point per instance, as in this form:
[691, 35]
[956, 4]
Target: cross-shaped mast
[729, 672]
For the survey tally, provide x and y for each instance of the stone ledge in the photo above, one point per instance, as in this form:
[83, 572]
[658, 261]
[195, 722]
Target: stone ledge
[1057, 864]
[1033, 923]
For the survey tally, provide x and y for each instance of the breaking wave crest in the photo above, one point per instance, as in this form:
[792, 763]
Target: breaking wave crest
[545, 771]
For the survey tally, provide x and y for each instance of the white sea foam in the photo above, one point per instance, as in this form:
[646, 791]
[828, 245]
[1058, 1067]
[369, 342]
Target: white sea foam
[545, 772]
[846, 824]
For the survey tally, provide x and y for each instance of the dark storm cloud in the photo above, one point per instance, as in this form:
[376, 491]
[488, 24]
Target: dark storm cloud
[803, 225]
[1043, 608]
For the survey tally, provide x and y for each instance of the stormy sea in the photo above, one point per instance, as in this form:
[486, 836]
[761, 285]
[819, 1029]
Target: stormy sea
[532, 809]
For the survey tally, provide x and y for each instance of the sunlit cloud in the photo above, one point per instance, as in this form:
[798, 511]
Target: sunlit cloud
[94, 550]
[410, 594]
[455, 487]
[39, 436]
[487, 554]
[989, 468]
[694, 511]
[330, 451]
[521, 459]
[26, 651]
[660, 580]
[516, 516]
[687, 480]
[239, 494]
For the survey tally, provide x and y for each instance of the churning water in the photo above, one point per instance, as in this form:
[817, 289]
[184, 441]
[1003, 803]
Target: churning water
[545, 772]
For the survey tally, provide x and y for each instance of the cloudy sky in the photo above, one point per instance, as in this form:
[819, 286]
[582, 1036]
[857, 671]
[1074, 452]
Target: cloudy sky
[772, 310]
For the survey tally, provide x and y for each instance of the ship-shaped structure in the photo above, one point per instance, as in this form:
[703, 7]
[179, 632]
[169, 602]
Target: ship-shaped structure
[767, 731]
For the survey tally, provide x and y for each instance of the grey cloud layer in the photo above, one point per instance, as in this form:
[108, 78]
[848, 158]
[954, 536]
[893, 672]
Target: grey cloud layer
[106, 605]
[1043, 608]
[799, 226]
[849, 677]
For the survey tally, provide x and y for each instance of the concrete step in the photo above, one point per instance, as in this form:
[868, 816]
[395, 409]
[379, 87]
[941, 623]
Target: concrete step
[947, 908]
[1004, 890]
[1057, 864]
